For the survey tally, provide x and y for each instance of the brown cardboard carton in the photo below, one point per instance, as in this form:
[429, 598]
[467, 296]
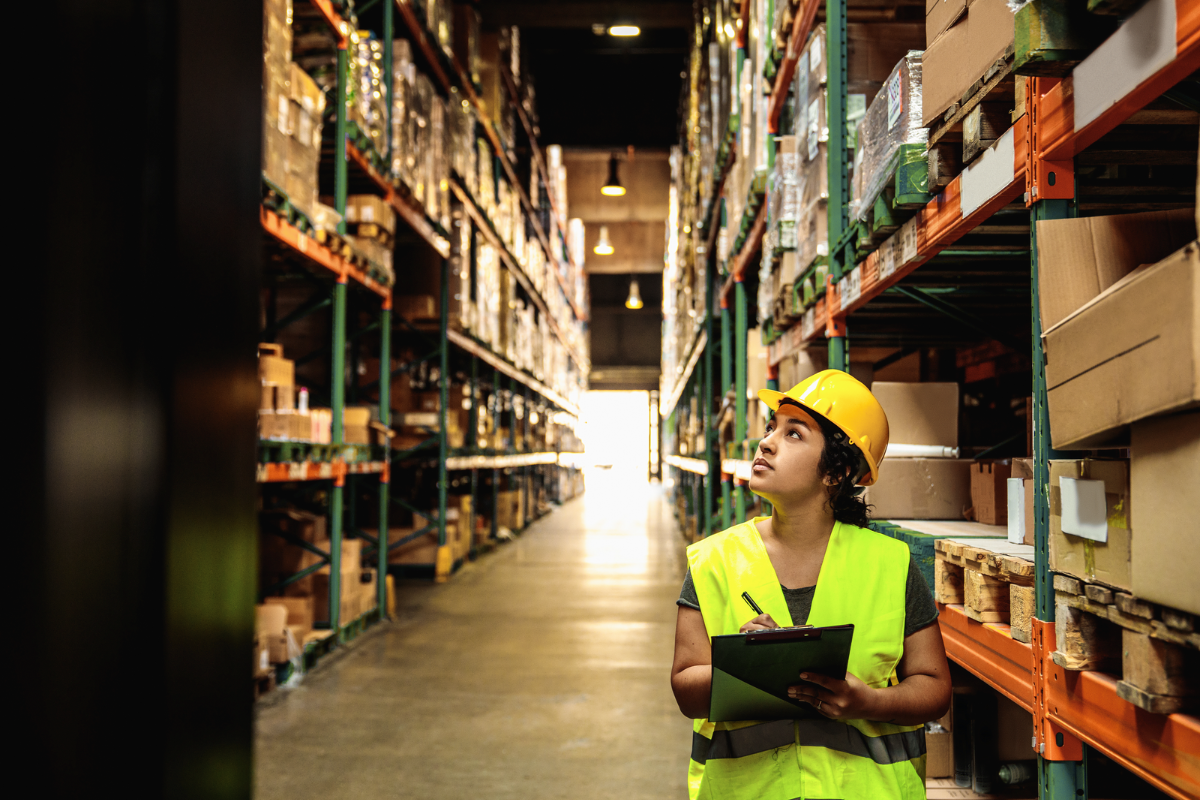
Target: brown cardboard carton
[273, 367]
[1103, 562]
[989, 491]
[356, 434]
[921, 488]
[920, 413]
[1131, 354]
[1078, 259]
[962, 53]
[299, 610]
[939, 751]
[1164, 486]
[356, 415]
[940, 15]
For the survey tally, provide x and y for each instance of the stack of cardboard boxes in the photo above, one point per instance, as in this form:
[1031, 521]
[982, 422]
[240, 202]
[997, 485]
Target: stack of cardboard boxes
[1119, 305]
[371, 224]
[963, 39]
[920, 487]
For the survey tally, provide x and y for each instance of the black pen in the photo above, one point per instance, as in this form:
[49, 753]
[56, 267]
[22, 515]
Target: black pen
[750, 601]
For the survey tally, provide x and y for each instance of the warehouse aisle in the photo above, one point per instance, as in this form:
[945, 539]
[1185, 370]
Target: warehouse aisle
[540, 671]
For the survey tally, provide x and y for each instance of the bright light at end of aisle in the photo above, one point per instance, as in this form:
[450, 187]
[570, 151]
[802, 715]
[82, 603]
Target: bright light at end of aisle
[616, 434]
[624, 30]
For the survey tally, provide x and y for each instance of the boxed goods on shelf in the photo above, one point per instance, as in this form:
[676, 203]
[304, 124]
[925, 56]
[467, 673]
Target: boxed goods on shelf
[366, 95]
[1164, 478]
[277, 57]
[989, 491]
[1090, 535]
[279, 558]
[921, 488]
[356, 425]
[920, 413]
[890, 135]
[1109, 321]
[975, 36]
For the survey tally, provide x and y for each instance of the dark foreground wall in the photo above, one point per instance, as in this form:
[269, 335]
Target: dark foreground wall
[134, 395]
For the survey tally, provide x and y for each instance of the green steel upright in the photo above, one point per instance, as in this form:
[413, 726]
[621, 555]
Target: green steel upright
[726, 382]
[1057, 780]
[337, 379]
[385, 419]
[444, 402]
[838, 162]
[739, 380]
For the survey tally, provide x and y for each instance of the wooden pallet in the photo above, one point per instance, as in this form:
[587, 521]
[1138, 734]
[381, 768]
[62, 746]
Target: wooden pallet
[1155, 648]
[992, 578]
[985, 111]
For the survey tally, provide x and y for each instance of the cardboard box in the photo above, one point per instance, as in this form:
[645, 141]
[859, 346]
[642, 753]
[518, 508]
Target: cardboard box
[299, 610]
[939, 752]
[1132, 353]
[273, 367]
[921, 488]
[940, 15]
[960, 55]
[1164, 487]
[920, 413]
[1079, 259]
[356, 434]
[1105, 506]
[989, 491]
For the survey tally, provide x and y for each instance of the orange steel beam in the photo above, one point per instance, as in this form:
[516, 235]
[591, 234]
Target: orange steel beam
[990, 652]
[1057, 131]
[319, 254]
[801, 28]
[335, 21]
[1163, 750]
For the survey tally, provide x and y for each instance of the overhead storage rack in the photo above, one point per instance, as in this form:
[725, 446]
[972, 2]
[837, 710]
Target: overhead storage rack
[1071, 110]
[371, 316]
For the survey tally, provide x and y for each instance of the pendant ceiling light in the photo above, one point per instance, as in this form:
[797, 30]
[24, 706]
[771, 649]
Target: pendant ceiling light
[634, 301]
[612, 187]
[603, 248]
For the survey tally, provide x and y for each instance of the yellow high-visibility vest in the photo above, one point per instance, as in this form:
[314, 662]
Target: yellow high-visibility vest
[862, 581]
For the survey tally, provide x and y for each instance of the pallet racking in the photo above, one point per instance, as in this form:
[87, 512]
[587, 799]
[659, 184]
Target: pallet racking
[348, 473]
[1029, 173]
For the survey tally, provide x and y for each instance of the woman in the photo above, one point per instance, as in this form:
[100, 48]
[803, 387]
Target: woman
[814, 562]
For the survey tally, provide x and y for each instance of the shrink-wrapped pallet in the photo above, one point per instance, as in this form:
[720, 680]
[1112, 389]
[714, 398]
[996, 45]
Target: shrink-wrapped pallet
[892, 121]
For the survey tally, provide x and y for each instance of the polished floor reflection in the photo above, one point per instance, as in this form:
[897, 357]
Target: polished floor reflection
[540, 671]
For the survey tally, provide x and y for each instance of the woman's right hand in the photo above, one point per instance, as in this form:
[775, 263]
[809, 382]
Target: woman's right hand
[762, 622]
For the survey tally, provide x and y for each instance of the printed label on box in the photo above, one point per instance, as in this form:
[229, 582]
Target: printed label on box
[1016, 510]
[1084, 510]
[895, 100]
[908, 241]
[850, 287]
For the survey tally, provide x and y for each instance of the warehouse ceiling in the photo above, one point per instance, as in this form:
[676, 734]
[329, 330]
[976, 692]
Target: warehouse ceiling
[596, 90]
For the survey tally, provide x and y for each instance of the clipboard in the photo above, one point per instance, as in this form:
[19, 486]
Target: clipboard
[751, 672]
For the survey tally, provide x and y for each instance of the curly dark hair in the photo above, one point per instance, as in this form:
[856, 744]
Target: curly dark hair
[844, 463]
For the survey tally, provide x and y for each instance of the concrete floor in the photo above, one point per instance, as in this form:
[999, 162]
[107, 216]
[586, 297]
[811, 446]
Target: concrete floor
[539, 671]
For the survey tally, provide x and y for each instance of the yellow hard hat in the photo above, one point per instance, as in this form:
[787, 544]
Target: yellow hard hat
[848, 404]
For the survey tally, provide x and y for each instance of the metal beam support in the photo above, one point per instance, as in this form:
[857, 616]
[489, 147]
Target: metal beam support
[444, 398]
[955, 313]
[340, 174]
[385, 418]
[337, 379]
[839, 185]
[739, 379]
[313, 304]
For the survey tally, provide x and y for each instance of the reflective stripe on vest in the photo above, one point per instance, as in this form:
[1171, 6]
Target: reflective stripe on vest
[891, 748]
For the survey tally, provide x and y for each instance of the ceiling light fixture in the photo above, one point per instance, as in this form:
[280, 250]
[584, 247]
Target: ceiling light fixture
[603, 248]
[624, 30]
[634, 301]
[612, 187]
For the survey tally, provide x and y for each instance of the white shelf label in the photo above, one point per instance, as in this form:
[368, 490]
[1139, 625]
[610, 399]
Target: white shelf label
[907, 236]
[887, 258]
[850, 287]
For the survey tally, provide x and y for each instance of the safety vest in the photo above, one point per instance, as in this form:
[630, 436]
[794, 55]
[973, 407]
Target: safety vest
[862, 581]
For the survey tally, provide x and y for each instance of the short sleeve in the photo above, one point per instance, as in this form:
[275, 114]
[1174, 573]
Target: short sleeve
[688, 596]
[919, 608]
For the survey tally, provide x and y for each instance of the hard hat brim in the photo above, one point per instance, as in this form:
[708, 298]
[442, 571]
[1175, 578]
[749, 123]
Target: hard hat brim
[773, 398]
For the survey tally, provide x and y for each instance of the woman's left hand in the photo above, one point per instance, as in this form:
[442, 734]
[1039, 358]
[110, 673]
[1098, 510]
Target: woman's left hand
[836, 699]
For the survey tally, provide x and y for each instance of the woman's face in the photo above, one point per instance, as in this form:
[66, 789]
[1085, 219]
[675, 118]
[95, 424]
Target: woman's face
[786, 464]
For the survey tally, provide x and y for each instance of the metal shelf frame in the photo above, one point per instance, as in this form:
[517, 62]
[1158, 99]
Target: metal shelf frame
[348, 465]
[1033, 164]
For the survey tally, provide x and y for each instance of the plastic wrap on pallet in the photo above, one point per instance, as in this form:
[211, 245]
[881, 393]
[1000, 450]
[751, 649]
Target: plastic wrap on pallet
[893, 119]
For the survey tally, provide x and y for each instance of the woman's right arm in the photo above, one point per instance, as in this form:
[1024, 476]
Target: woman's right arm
[691, 673]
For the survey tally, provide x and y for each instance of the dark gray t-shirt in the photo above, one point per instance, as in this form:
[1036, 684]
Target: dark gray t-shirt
[919, 608]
